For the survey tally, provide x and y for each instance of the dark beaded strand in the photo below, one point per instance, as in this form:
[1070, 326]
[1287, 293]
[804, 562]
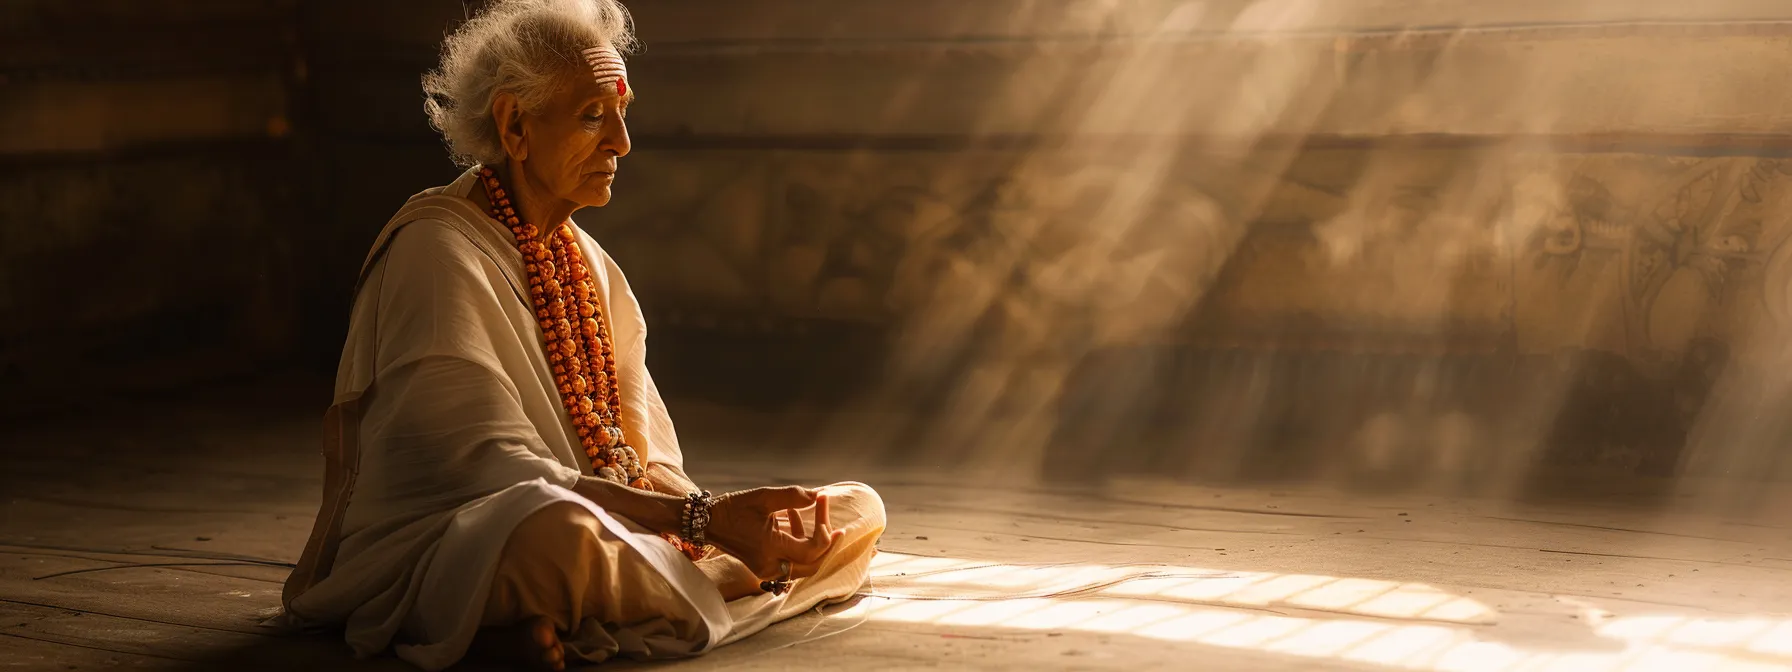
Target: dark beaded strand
[696, 515]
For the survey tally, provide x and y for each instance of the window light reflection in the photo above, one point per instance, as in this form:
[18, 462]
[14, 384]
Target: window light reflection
[1387, 623]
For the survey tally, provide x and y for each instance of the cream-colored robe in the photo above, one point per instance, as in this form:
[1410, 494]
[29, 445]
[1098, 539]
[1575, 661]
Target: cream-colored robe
[446, 432]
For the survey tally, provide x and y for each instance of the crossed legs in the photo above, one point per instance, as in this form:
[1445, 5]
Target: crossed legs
[561, 566]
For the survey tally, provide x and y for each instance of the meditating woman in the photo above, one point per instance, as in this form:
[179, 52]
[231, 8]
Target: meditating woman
[501, 471]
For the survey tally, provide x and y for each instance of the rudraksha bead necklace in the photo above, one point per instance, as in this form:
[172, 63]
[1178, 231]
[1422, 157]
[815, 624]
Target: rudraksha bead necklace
[576, 339]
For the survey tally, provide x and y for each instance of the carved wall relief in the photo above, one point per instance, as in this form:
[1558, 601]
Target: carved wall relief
[1586, 300]
[1671, 236]
[1640, 256]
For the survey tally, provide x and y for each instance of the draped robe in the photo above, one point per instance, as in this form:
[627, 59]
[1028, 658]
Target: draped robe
[446, 431]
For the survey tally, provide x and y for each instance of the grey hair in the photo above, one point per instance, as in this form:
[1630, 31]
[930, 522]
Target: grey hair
[522, 47]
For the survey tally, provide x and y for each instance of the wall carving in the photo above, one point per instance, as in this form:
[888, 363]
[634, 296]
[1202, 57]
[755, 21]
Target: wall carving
[1634, 254]
[1591, 301]
[1688, 242]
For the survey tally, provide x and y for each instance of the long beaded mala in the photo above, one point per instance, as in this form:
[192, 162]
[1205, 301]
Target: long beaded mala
[577, 342]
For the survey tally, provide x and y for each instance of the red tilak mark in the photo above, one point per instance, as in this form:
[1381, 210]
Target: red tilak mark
[621, 88]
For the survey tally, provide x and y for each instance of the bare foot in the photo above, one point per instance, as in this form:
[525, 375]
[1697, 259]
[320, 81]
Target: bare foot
[533, 644]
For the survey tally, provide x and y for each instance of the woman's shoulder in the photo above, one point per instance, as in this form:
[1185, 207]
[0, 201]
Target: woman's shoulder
[430, 266]
[433, 239]
[442, 226]
[446, 254]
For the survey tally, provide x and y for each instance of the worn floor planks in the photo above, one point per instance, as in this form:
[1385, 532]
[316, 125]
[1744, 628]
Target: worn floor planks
[158, 548]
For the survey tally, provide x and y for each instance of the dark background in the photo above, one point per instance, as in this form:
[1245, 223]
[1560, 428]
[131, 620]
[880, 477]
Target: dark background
[187, 189]
[191, 186]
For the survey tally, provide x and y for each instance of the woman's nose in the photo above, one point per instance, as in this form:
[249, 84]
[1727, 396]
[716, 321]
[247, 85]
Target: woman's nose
[616, 140]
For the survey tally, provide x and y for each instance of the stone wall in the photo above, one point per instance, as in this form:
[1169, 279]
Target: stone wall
[1633, 253]
[901, 194]
[1559, 221]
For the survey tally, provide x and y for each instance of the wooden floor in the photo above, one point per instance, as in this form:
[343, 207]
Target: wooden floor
[154, 539]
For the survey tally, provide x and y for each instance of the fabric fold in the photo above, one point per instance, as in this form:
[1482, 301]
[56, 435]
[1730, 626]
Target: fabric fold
[442, 397]
[446, 432]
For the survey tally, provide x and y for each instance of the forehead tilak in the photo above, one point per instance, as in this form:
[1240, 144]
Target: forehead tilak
[606, 67]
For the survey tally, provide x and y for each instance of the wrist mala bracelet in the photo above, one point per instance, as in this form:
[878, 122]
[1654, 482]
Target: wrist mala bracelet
[696, 517]
[695, 521]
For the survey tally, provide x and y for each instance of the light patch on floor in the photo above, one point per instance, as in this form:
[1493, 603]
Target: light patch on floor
[1139, 601]
[103, 568]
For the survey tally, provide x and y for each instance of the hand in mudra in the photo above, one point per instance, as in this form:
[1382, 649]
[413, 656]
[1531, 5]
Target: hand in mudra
[763, 526]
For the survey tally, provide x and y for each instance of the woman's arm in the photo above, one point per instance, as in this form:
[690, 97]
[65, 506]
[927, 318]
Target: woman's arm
[750, 527]
[657, 511]
[730, 575]
[447, 426]
[670, 479]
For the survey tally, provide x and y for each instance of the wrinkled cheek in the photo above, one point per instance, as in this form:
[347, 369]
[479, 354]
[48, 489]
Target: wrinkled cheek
[587, 152]
[572, 164]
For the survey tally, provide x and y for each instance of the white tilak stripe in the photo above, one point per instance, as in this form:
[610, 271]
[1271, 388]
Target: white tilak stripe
[606, 65]
[602, 55]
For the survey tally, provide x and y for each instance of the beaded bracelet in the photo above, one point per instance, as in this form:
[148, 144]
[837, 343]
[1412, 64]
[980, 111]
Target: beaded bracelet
[696, 520]
[696, 516]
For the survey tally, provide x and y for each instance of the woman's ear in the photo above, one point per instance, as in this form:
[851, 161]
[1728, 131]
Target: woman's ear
[509, 116]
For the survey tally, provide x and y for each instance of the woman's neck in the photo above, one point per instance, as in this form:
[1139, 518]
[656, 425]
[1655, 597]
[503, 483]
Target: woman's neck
[533, 203]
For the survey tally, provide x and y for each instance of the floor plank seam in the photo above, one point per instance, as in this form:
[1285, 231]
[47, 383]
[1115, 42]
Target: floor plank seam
[91, 647]
[138, 618]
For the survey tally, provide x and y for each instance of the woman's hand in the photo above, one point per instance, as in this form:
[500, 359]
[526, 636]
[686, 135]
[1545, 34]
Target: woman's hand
[791, 520]
[762, 527]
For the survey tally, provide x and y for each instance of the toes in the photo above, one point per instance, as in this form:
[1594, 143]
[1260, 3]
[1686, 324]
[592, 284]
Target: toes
[542, 633]
[548, 641]
[534, 644]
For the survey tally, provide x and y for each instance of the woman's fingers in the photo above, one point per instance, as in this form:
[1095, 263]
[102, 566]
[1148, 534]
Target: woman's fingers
[824, 530]
[787, 536]
[821, 511]
[814, 541]
[801, 549]
[795, 518]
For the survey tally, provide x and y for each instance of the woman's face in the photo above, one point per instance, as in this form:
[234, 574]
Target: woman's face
[573, 142]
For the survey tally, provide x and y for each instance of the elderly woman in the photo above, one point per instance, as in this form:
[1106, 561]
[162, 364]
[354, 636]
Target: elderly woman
[501, 471]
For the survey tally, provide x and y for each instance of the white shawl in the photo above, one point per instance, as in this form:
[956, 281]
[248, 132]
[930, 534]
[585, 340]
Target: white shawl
[436, 447]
